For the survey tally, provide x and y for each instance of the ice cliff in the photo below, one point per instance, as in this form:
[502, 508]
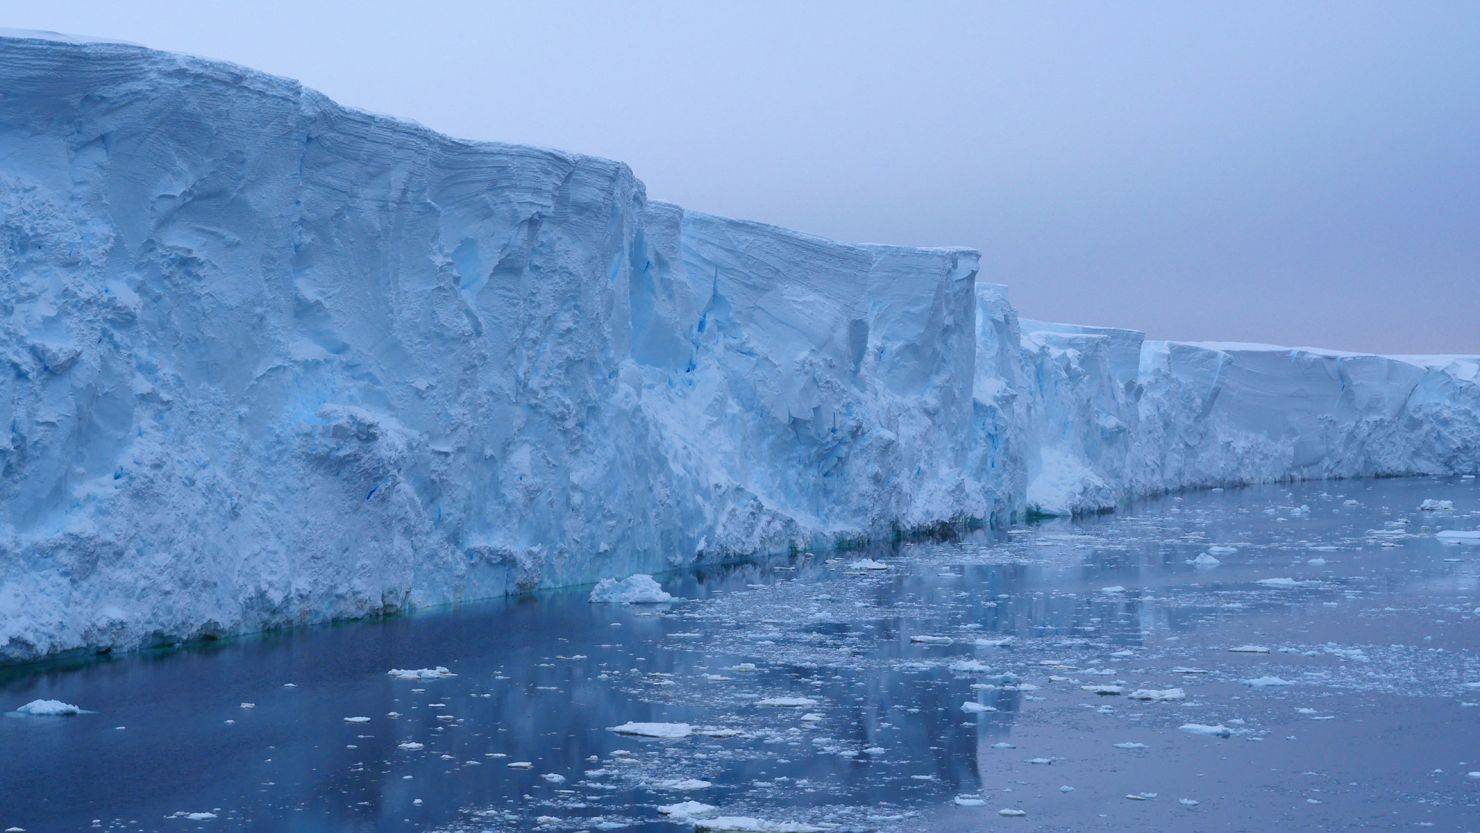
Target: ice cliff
[270, 360]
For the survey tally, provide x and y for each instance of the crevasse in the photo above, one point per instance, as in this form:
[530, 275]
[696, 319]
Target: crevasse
[270, 361]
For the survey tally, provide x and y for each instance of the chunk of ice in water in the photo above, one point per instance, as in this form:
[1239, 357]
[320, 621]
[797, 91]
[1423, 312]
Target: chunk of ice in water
[637, 589]
[49, 708]
[666, 731]
[787, 702]
[437, 673]
[1158, 695]
[1263, 682]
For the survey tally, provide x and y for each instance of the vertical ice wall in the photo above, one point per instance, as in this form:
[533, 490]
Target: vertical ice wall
[1117, 417]
[269, 360]
[827, 380]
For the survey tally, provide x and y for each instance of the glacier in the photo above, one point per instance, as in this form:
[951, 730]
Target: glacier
[276, 361]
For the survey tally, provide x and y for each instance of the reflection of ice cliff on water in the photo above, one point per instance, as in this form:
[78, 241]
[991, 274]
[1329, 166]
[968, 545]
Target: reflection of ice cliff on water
[273, 361]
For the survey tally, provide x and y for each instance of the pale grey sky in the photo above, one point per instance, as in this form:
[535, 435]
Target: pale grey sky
[1298, 173]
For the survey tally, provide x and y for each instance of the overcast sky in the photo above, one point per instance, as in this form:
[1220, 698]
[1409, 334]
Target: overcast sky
[1289, 172]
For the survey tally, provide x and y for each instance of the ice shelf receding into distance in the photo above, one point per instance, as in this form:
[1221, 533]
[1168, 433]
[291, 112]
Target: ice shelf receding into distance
[271, 360]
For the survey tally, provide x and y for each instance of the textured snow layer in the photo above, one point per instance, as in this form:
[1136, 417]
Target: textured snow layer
[274, 361]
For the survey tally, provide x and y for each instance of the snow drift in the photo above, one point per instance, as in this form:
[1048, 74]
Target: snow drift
[272, 360]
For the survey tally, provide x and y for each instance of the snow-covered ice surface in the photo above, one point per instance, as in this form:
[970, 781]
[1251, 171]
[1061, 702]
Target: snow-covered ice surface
[274, 361]
[796, 695]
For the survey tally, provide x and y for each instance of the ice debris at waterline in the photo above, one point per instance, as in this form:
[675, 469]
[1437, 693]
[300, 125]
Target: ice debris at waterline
[295, 362]
[638, 589]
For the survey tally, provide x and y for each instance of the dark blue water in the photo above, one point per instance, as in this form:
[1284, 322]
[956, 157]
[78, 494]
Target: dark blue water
[1366, 714]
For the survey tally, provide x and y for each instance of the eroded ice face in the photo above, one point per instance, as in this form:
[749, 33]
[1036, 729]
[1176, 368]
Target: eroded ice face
[970, 678]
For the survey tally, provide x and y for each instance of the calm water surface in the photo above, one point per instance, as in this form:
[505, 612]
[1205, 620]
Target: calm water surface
[1360, 711]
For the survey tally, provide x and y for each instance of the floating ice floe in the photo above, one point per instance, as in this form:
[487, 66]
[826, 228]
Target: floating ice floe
[1222, 550]
[967, 666]
[749, 824]
[409, 746]
[637, 589]
[357, 719]
[787, 702]
[49, 708]
[932, 640]
[1012, 812]
[1436, 505]
[1264, 682]
[437, 673]
[999, 642]
[1284, 582]
[867, 564]
[973, 707]
[1460, 536]
[1158, 695]
[1103, 690]
[1218, 730]
[1130, 744]
[1250, 649]
[969, 800]
[685, 810]
[666, 731]
[1205, 561]
[684, 784]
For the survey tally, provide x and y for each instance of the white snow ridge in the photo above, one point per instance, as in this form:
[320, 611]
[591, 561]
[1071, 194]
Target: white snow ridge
[295, 362]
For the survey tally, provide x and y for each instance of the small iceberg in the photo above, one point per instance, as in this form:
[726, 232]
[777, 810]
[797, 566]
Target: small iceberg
[48, 708]
[1219, 730]
[1459, 536]
[638, 589]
